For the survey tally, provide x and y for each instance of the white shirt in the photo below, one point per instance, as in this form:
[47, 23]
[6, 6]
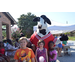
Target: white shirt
[11, 47]
[58, 40]
[5, 44]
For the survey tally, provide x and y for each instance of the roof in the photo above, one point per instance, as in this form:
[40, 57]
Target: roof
[7, 14]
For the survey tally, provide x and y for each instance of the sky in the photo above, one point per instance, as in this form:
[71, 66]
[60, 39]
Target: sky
[60, 17]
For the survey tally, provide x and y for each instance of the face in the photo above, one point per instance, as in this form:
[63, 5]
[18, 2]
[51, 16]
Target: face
[42, 24]
[23, 43]
[51, 45]
[41, 45]
[29, 44]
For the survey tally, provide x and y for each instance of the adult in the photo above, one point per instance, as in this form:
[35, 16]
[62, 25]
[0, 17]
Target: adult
[10, 48]
[64, 41]
[42, 31]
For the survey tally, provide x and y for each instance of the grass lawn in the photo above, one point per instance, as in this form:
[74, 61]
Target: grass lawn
[72, 38]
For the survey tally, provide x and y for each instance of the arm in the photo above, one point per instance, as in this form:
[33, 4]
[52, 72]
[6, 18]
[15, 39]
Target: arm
[36, 56]
[46, 55]
[51, 56]
[33, 60]
[32, 56]
[10, 50]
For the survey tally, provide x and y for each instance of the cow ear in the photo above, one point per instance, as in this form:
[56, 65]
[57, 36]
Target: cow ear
[36, 19]
[46, 19]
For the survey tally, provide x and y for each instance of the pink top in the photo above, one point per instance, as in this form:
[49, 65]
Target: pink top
[51, 53]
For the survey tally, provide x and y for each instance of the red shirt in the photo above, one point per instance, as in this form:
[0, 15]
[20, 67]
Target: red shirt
[2, 51]
[35, 38]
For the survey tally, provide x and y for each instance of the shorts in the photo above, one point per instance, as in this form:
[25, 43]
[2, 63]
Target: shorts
[60, 45]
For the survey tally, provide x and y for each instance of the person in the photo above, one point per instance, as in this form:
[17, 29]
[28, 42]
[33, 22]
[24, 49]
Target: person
[17, 43]
[24, 54]
[52, 54]
[5, 43]
[2, 53]
[64, 42]
[10, 48]
[65, 39]
[28, 44]
[59, 49]
[41, 52]
[33, 47]
[2, 50]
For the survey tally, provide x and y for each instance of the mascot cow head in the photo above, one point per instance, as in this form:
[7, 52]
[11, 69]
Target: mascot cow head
[42, 25]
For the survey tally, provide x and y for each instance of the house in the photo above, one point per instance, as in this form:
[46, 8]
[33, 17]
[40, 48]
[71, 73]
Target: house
[8, 20]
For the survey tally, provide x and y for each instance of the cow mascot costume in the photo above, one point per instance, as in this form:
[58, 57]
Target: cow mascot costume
[42, 31]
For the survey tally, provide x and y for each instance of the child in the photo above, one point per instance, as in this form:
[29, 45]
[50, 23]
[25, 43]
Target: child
[33, 47]
[29, 44]
[41, 52]
[2, 52]
[59, 49]
[24, 54]
[52, 54]
[10, 49]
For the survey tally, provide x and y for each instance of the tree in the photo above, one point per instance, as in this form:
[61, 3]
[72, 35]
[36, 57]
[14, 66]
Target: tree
[15, 32]
[25, 22]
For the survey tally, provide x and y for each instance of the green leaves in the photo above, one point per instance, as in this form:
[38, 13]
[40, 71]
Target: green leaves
[25, 22]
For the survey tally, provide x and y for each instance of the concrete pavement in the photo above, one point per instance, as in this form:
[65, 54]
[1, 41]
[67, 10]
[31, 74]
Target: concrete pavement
[68, 58]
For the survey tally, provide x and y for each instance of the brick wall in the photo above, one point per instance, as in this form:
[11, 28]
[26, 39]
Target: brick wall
[6, 21]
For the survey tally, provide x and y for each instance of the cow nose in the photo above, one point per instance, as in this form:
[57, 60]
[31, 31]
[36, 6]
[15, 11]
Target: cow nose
[40, 27]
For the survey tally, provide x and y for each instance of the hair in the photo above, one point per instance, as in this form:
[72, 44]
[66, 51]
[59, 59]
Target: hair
[41, 41]
[61, 34]
[2, 43]
[17, 40]
[28, 43]
[23, 38]
[22, 35]
[9, 41]
[49, 44]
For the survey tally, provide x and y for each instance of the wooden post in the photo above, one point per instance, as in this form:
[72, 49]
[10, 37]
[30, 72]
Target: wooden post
[0, 31]
[8, 31]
